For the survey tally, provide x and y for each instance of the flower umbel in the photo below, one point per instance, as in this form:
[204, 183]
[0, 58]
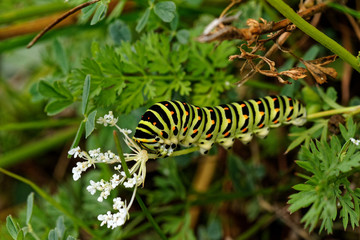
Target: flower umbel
[136, 178]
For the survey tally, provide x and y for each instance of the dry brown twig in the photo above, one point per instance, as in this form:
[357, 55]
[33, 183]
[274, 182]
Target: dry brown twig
[276, 30]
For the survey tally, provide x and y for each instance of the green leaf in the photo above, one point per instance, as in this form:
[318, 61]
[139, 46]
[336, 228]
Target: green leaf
[20, 235]
[47, 90]
[88, 11]
[99, 14]
[70, 238]
[29, 209]
[60, 227]
[61, 57]
[86, 92]
[12, 227]
[90, 123]
[165, 10]
[56, 106]
[183, 36]
[143, 20]
[119, 31]
[53, 235]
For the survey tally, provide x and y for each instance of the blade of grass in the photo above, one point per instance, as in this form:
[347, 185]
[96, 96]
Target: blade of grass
[317, 35]
[38, 124]
[36, 148]
[54, 203]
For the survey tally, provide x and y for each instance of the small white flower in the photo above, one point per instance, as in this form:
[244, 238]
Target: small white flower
[108, 119]
[118, 204]
[74, 151]
[355, 141]
[118, 167]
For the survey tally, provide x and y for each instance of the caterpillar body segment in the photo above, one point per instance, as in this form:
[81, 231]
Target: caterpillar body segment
[170, 123]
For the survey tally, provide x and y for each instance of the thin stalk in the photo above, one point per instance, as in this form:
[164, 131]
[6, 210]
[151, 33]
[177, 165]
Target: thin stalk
[138, 198]
[333, 112]
[32, 11]
[54, 203]
[37, 124]
[317, 35]
[184, 151]
[35, 148]
[261, 223]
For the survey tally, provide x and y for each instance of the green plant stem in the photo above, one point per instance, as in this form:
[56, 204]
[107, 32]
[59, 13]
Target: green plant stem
[318, 36]
[54, 203]
[36, 148]
[344, 9]
[138, 198]
[78, 135]
[333, 112]
[37, 124]
[33, 11]
[263, 221]
[184, 151]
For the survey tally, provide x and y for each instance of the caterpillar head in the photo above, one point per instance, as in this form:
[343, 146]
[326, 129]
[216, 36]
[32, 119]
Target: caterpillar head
[146, 141]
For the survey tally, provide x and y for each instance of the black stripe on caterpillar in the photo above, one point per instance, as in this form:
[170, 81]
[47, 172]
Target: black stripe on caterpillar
[167, 124]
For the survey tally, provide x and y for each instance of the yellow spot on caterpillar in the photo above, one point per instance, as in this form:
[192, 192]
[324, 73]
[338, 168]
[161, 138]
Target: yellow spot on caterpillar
[209, 135]
[154, 140]
[242, 105]
[277, 109]
[161, 133]
[199, 118]
[289, 99]
[166, 104]
[276, 121]
[261, 113]
[148, 118]
[172, 112]
[211, 110]
[274, 99]
[154, 123]
[291, 107]
[197, 108]
[185, 129]
[186, 113]
[195, 131]
[212, 122]
[258, 102]
[184, 103]
[246, 116]
[173, 128]
[228, 120]
[226, 108]
[226, 134]
[244, 130]
[288, 119]
[261, 125]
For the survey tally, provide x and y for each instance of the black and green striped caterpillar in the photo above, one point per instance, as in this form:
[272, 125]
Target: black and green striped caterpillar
[167, 124]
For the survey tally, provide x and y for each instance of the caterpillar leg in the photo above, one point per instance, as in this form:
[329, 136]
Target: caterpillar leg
[167, 149]
[245, 138]
[262, 133]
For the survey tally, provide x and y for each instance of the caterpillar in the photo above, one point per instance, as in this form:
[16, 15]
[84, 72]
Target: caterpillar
[170, 123]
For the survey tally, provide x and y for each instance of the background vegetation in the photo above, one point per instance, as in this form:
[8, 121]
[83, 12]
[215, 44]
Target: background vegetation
[137, 53]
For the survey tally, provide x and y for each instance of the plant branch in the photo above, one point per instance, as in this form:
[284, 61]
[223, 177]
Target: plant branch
[54, 203]
[350, 110]
[62, 17]
[317, 35]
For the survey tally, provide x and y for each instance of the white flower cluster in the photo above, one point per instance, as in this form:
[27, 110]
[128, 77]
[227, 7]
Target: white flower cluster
[108, 119]
[355, 141]
[117, 219]
[94, 156]
[136, 178]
